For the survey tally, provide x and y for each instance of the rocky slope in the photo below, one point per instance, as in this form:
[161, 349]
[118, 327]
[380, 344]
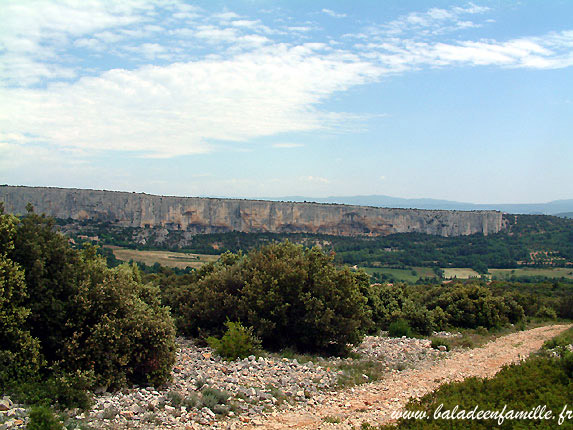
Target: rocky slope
[205, 215]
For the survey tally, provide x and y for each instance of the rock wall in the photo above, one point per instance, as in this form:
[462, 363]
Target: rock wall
[205, 215]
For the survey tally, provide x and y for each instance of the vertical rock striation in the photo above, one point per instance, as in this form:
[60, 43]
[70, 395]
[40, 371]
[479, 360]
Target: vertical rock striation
[207, 215]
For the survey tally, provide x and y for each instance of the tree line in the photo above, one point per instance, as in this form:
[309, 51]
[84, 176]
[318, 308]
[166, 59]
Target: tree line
[518, 244]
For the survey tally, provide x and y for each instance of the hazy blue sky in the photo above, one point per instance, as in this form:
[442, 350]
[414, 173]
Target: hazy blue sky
[469, 101]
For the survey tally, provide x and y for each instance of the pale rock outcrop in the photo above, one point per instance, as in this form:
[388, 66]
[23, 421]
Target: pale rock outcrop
[208, 215]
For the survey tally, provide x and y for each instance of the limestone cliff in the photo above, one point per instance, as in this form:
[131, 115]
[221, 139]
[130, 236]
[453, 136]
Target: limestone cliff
[206, 215]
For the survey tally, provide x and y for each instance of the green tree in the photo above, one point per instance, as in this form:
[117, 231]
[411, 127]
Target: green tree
[20, 357]
[87, 317]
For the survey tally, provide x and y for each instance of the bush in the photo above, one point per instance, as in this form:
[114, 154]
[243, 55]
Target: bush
[20, 356]
[221, 397]
[237, 342]
[418, 317]
[474, 305]
[292, 296]
[175, 398]
[42, 418]
[215, 400]
[482, 331]
[86, 317]
[560, 341]
[546, 313]
[567, 362]
[122, 332]
[65, 391]
[399, 328]
[520, 387]
[436, 342]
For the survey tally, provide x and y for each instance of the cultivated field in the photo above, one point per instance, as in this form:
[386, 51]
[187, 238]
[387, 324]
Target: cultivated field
[180, 260]
[460, 273]
[553, 272]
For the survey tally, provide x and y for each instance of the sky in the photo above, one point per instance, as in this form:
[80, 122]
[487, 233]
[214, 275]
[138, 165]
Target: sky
[466, 101]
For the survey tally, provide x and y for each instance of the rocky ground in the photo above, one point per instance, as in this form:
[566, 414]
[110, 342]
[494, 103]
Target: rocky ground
[208, 392]
[273, 392]
[374, 403]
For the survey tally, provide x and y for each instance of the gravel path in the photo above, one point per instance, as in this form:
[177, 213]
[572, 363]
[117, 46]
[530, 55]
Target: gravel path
[373, 403]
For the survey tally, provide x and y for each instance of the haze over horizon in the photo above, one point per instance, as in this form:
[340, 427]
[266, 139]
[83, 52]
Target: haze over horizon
[452, 100]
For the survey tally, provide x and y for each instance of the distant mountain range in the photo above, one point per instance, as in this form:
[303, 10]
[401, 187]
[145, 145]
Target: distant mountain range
[562, 208]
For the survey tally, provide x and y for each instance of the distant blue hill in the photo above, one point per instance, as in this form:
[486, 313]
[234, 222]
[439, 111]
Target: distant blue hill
[556, 207]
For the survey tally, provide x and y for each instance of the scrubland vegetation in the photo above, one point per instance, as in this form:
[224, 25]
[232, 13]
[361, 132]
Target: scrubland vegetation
[69, 324]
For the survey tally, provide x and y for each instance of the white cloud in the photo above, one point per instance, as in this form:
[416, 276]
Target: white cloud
[226, 16]
[553, 50]
[287, 145]
[253, 82]
[214, 34]
[149, 50]
[183, 107]
[432, 22]
[333, 14]
[36, 30]
[301, 28]
[245, 23]
[314, 179]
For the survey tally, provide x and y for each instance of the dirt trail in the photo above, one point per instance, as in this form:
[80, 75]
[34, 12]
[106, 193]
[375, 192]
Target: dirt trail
[375, 402]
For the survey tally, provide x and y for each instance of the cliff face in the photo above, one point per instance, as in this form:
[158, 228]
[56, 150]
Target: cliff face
[203, 215]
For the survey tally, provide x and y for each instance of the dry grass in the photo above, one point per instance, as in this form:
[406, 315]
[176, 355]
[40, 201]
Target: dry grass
[180, 260]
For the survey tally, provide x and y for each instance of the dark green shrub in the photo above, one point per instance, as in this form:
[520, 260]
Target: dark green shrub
[437, 341]
[399, 328]
[209, 401]
[419, 317]
[52, 272]
[237, 342]
[42, 418]
[123, 334]
[474, 305]
[87, 317]
[20, 356]
[63, 390]
[292, 296]
[520, 387]
[482, 331]
[546, 313]
[565, 307]
[560, 341]
[296, 297]
[567, 362]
